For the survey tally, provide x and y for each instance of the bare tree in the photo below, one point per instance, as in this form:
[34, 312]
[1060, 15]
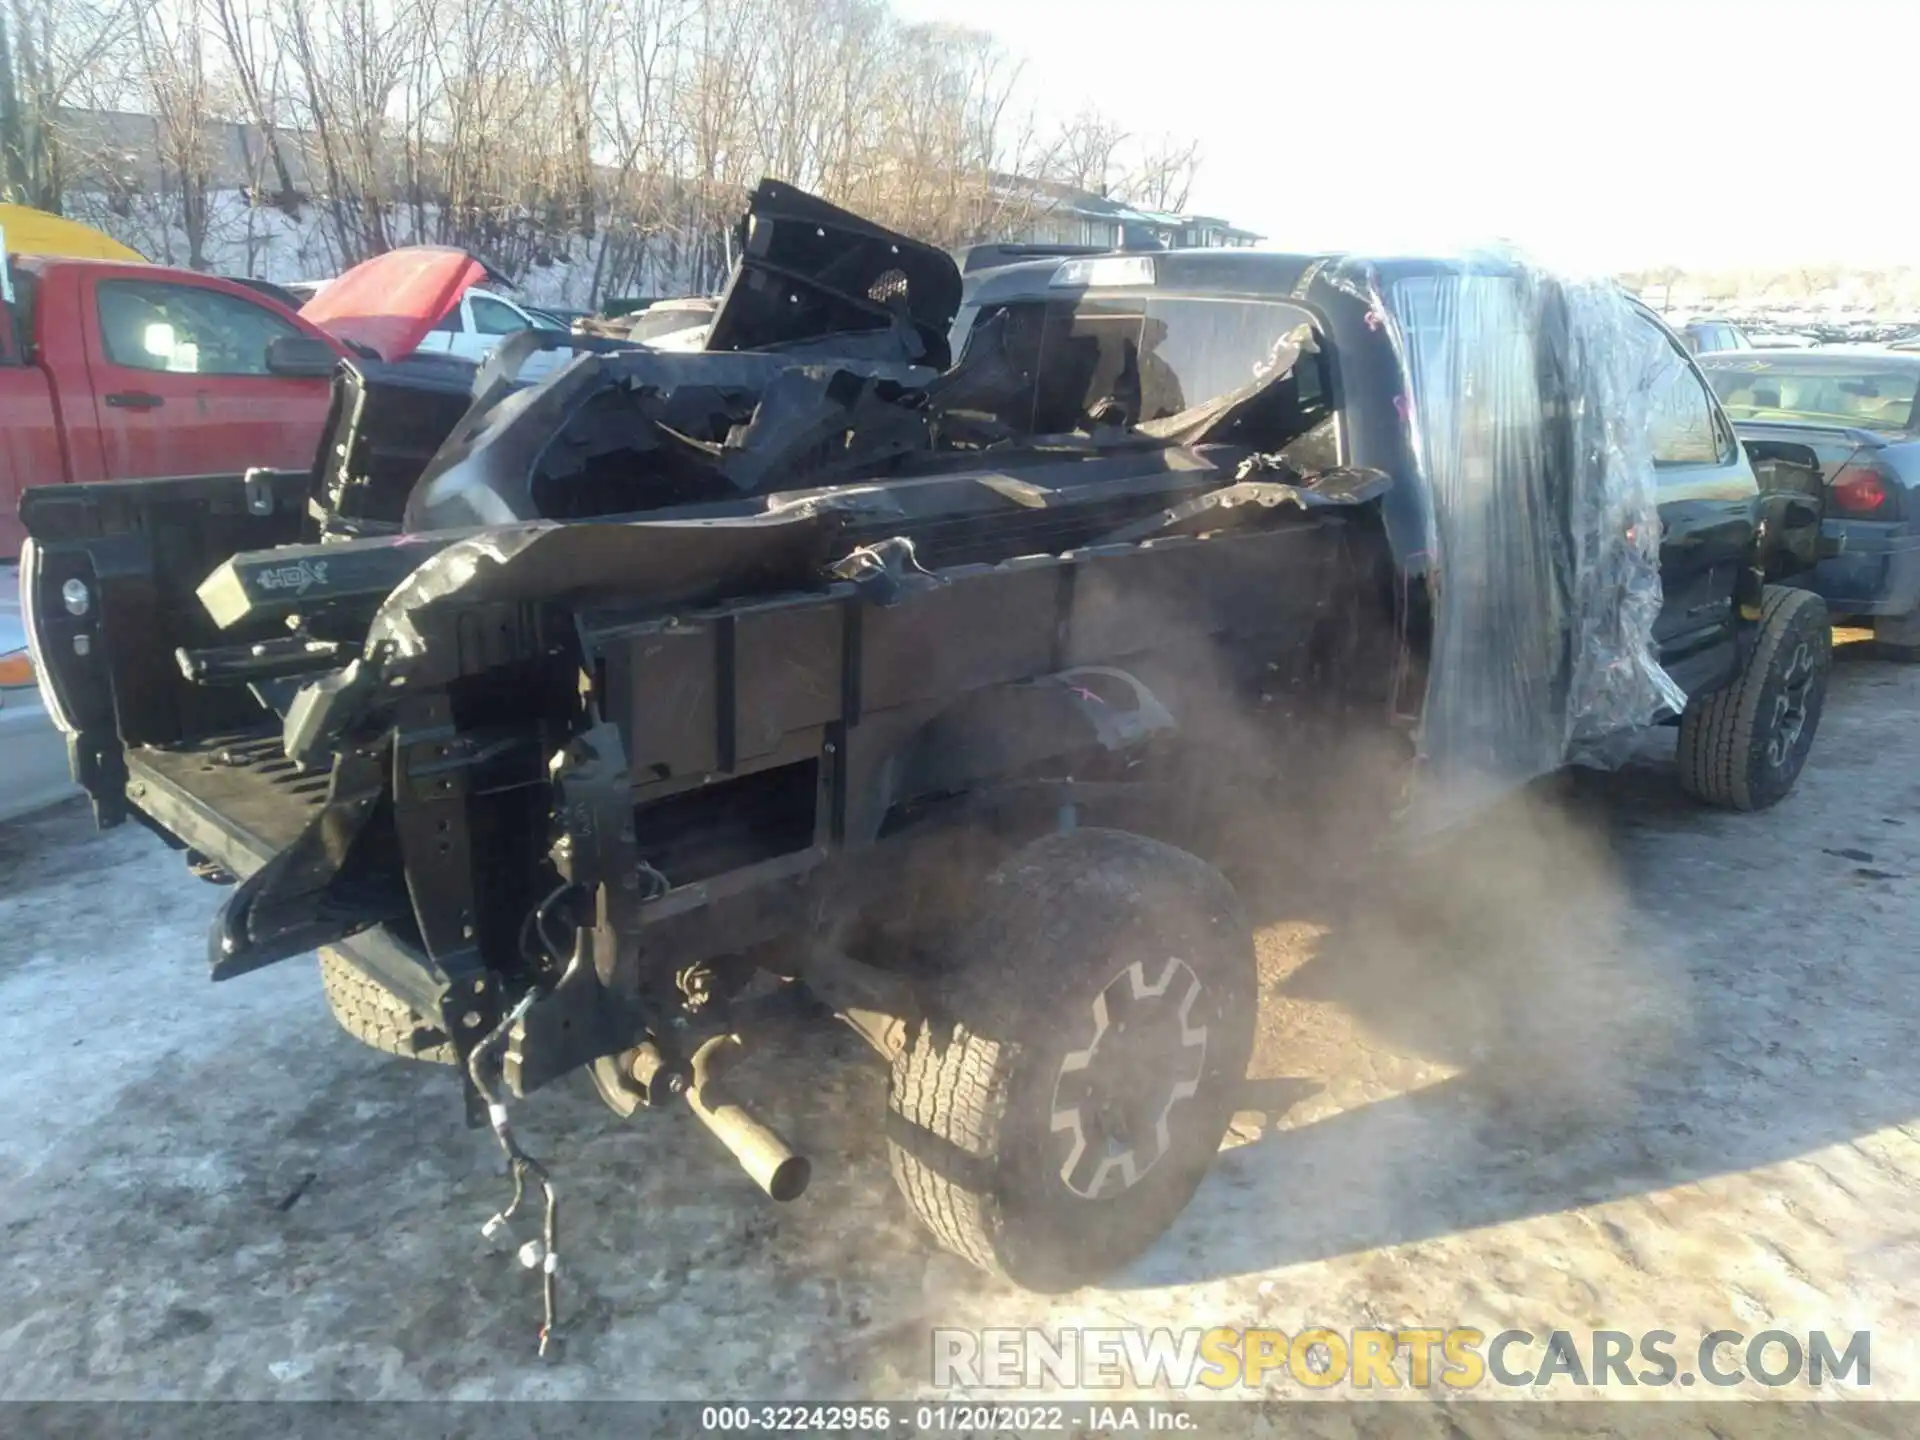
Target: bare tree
[1163, 177]
[49, 51]
[178, 88]
[352, 60]
[612, 139]
[254, 61]
[1086, 155]
[573, 40]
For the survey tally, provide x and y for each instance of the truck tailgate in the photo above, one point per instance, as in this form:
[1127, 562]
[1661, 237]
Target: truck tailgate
[236, 799]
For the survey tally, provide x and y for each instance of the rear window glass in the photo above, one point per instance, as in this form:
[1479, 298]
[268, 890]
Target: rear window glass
[1132, 359]
[1870, 396]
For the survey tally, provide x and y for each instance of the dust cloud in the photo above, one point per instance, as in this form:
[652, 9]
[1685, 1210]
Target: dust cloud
[1506, 950]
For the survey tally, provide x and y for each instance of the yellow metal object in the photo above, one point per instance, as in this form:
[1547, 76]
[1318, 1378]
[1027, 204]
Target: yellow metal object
[35, 232]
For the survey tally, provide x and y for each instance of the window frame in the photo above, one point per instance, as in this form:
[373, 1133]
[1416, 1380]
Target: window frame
[1726, 441]
[474, 302]
[205, 294]
[1055, 313]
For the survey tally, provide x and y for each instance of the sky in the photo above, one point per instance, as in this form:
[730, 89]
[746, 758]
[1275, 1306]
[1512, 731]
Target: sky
[1701, 133]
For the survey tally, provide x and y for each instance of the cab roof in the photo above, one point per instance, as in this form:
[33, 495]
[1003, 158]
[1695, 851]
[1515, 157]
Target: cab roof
[1224, 273]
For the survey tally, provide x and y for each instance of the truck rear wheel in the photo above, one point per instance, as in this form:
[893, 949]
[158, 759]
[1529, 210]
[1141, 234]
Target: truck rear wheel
[375, 1016]
[1743, 747]
[1061, 1110]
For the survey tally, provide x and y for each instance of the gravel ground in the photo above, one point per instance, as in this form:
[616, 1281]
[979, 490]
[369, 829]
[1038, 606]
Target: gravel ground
[1609, 1061]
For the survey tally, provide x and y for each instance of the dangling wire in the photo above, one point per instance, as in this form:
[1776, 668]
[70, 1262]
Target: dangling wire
[533, 927]
[561, 954]
[545, 1252]
[522, 1166]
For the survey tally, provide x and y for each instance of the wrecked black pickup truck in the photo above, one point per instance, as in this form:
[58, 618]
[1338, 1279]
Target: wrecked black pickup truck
[905, 659]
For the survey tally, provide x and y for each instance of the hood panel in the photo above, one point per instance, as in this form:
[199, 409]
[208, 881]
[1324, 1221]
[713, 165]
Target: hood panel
[390, 302]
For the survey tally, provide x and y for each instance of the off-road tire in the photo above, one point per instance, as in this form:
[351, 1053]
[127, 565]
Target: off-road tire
[973, 1099]
[1733, 747]
[1897, 637]
[375, 1016]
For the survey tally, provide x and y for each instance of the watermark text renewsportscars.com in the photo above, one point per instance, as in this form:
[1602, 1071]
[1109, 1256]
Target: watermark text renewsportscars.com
[1232, 1361]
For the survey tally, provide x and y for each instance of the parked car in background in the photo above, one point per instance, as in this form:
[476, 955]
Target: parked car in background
[115, 370]
[1858, 409]
[557, 319]
[1705, 336]
[33, 753]
[1782, 340]
[674, 324]
[481, 321]
[35, 232]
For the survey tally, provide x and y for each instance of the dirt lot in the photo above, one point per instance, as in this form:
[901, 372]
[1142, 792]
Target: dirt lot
[1610, 1061]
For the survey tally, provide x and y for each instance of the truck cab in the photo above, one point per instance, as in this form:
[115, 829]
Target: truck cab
[114, 370]
[1400, 349]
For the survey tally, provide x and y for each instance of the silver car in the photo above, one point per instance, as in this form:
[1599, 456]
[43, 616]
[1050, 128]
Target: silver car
[33, 753]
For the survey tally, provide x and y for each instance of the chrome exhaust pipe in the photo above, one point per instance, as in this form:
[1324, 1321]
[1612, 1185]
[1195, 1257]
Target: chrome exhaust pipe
[772, 1163]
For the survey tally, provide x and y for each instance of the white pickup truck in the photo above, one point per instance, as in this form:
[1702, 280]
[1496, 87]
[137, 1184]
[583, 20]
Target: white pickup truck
[479, 322]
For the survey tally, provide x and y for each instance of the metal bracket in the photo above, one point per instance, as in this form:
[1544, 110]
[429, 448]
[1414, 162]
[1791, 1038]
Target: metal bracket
[595, 850]
[429, 814]
[880, 1007]
[258, 486]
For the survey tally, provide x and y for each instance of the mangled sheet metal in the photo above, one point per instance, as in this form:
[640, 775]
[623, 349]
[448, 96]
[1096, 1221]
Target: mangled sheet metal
[810, 270]
[821, 437]
[657, 564]
[828, 329]
[624, 433]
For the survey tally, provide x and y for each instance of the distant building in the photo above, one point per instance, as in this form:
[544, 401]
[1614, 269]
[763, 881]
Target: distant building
[118, 151]
[1060, 215]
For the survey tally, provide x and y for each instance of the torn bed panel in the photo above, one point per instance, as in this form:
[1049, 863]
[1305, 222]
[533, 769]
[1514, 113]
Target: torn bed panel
[612, 434]
[809, 270]
[1528, 418]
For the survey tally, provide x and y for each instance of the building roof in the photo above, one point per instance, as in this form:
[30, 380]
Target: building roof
[1092, 206]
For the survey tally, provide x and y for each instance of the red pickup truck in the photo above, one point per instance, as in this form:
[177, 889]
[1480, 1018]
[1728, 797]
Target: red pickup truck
[121, 371]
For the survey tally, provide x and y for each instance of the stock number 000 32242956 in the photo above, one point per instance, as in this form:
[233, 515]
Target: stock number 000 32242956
[880, 1419]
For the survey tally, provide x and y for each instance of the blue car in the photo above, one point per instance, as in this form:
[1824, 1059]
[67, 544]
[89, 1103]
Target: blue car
[1858, 409]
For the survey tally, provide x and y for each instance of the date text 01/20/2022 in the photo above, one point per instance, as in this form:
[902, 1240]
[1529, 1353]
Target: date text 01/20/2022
[941, 1419]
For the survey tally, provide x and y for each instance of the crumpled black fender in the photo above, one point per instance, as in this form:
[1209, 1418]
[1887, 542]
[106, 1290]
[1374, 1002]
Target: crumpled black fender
[989, 735]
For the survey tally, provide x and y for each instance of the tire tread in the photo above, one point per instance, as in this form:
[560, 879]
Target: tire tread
[376, 1017]
[951, 1083]
[1717, 731]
